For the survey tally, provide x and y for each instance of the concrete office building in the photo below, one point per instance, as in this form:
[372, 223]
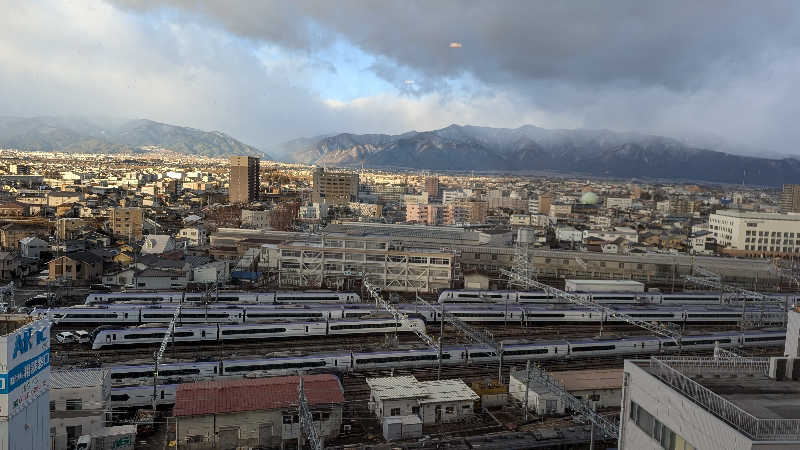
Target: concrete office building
[24, 388]
[127, 223]
[709, 404]
[244, 182]
[334, 187]
[545, 200]
[790, 198]
[78, 404]
[744, 233]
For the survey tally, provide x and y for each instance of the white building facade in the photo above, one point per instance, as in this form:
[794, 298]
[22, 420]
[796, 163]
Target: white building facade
[24, 387]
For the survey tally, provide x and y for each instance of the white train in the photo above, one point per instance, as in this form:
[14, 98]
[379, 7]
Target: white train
[110, 336]
[288, 297]
[487, 313]
[171, 373]
[637, 298]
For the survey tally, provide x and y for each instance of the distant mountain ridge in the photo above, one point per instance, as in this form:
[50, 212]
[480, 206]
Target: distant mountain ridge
[81, 135]
[592, 152]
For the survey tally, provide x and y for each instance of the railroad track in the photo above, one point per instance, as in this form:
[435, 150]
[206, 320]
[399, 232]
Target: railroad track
[185, 351]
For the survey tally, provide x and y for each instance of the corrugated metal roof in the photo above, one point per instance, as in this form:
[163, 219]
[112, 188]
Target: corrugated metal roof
[77, 378]
[426, 391]
[447, 391]
[225, 396]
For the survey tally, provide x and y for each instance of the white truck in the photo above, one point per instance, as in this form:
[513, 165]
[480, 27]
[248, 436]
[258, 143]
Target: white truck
[121, 437]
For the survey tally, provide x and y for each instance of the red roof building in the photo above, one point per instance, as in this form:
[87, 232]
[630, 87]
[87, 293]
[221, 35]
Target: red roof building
[255, 411]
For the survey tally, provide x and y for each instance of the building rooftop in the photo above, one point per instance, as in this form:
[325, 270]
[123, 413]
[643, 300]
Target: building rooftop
[736, 390]
[582, 380]
[758, 215]
[426, 391]
[227, 396]
[77, 378]
[10, 323]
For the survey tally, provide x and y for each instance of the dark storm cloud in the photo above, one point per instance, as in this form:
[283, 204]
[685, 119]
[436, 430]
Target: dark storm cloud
[679, 45]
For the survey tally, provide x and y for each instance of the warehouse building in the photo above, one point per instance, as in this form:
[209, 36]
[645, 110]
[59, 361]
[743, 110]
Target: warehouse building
[602, 388]
[258, 412]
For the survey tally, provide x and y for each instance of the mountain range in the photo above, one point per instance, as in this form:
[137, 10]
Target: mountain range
[83, 135]
[530, 148]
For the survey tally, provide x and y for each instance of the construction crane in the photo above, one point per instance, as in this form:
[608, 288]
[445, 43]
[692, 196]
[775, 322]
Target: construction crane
[479, 337]
[157, 355]
[610, 313]
[402, 318]
[306, 420]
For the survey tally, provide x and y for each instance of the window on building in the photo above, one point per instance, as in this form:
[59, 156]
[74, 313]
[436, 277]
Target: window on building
[415, 410]
[52, 405]
[394, 412]
[74, 404]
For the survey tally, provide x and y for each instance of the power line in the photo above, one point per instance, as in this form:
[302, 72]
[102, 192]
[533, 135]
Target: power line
[586, 302]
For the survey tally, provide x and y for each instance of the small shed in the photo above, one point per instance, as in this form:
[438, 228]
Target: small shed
[601, 387]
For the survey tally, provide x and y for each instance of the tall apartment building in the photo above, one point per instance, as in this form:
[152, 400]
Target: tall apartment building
[790, 198]
[244, 182]
[746, 233]
[127, 222]
[545, 200]
[432, 186]
[334, 188]
[466, 211]
[25, 393]
[424, 213]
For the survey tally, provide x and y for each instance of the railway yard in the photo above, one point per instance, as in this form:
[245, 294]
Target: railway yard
[359, 341]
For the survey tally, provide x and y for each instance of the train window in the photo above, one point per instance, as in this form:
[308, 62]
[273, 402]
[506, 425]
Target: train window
[275, 366]
[203, 333]
[120, 397]
[146, 335]
[306, 328]
[162, 395]
[366, 325]
[544, 314]
[593, 348]
[764, 339]
[253, 331]
[533, 351]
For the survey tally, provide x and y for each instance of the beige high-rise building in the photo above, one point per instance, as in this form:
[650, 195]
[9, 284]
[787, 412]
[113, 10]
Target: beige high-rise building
[244, 183]
[127, 223]
[334, 188]
[432, 186]
[466, 211]
[545, 200]
[790, 198]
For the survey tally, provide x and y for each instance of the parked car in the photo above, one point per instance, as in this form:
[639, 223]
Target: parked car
[81, 336]
[65, 337]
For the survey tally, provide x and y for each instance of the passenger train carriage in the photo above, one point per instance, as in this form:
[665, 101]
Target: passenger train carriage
[288, 297]
[633, 298]
[110, 336]
[170, 373]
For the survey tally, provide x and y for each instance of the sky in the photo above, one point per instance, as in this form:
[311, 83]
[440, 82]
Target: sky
[713, 73]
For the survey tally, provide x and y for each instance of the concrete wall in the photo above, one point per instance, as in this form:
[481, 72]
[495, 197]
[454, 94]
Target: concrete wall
[697, 426]
[428, 412]
[28, 429]
[251, 425]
